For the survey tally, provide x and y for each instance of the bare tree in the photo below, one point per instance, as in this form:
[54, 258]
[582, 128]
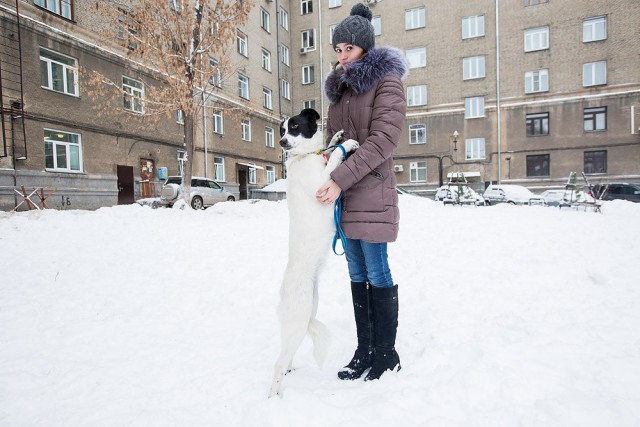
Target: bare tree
[182, 44]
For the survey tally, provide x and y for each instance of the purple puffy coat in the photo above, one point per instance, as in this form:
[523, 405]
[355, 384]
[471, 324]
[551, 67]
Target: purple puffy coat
[368, 102]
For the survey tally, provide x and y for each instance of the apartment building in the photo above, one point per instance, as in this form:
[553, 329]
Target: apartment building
[517, 91]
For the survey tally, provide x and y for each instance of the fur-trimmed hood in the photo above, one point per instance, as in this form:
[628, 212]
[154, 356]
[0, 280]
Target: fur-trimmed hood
[362, 75]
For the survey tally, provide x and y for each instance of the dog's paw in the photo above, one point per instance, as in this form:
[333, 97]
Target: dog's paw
[350, 145]
[337, 137]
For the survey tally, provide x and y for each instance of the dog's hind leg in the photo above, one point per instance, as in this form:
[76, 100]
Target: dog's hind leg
[318, 332]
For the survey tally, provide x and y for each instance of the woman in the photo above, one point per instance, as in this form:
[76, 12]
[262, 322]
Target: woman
[367, 101]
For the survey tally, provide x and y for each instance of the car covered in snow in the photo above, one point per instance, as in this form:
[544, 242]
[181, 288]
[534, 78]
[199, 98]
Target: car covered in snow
[512, 194]
[204, 192]
[566, 197]
[458, 194]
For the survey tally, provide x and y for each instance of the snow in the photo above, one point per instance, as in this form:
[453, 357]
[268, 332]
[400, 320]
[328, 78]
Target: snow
[509, 316]
[279, 185]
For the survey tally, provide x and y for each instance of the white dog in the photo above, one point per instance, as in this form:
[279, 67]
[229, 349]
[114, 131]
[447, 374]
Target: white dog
[311, 229]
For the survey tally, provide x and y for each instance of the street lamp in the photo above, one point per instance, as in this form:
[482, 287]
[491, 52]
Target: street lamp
[452, 138]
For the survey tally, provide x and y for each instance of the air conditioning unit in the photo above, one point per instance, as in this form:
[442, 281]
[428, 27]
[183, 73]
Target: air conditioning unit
[304, 50]
[398, 168]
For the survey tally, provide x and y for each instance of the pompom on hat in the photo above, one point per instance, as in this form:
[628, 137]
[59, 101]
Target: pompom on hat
[356, 29]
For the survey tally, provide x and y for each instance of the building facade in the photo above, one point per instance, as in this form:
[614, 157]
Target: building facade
[512, 91]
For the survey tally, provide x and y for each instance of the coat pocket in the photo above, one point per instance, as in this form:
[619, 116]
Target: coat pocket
[367, 194]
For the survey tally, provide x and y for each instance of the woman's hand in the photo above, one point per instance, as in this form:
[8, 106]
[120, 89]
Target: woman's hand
[328, 193]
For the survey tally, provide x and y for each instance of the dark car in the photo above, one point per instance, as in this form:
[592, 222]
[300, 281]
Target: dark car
[617, 191]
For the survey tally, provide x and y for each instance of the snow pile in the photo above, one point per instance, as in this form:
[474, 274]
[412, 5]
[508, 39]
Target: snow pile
[131, 316]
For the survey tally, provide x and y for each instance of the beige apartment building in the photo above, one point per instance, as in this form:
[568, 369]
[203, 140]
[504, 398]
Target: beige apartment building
[516, 91]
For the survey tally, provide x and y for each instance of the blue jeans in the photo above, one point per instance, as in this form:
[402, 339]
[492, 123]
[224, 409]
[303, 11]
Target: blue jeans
[368, 263]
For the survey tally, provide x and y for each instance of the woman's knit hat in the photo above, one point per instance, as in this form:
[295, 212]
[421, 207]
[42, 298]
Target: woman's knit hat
[356, 29]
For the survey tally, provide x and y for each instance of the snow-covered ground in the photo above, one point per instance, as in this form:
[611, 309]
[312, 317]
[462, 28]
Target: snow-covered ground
[128, 316]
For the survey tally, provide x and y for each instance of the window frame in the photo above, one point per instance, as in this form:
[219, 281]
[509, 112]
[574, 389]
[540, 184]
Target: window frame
[415, 169]
[473, 22]
[591, 25]
[531, 162]
[266, 60]
[242, 43]
[284, 18]
[412, 98]
[243, 83]
[285, 55]
[542, 77]
[415, 18]
[310, 47]
[56, 7]
[245, 129]
[270, 174]
[594, 73]
[129, 90]
[265, 20]
[67, 151]
[420, 53]
[306, 7]
[285, 86]
[415, 129]
[252, 175]
[376, 21]
[475, 149]
[269, 137]
[218, 169]
[471, 67]
[49, 61]
[474, 107]
[308, 74]
[267, 98]
[532, 37]
[537, 124]
[218, 122]
[595, 115]
[216, 76]
[593, 162]
[310, 103]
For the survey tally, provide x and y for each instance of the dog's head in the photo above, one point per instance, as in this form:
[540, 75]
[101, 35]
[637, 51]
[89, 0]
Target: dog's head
[299, 129]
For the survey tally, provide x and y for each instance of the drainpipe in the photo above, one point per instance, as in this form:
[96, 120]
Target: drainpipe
[320, 48]
[498, 90]
[283, 173]
[204, 125]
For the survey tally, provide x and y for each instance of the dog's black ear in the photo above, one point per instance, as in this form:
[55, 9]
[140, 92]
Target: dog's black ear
[310, 113]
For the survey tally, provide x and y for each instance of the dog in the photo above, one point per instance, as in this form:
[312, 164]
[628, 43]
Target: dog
[311, 229]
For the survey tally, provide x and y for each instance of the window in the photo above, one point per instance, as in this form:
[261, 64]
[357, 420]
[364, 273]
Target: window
[285, 55]
[243, 86]
[179, 117]
[594, 29]
[63, 8]
[595, 119]
[218, 169]
[246, 129]
[62, 151]
[417, 57]
[414, 18]
[538, 165]
[335, 3]
[594, 73]
[216, 78]
[377, 25]
[284, 18]
[418, 134]
[308, 74]
[308, 39]
[58, 72]
[534, 2]
[474, 107]
[218, 123]
[418, 171]
[595, 161]
[474, 148]
[252, 175]
[536, 81]
[538, 124]
[473, 67]
[265, 20]
[268, 137]
[306, 7]
[286, 89]
[271, 174]
[242, 42]
[472, 26]
[267, 98]
[309, 104]
[416, 95]
[133, 95]
[266, 59]
[536, 39]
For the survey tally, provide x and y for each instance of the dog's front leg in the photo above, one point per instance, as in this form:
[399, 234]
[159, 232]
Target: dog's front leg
[336, 157]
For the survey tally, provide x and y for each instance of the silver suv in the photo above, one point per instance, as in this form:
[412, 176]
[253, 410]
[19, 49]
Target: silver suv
[512, 194]
[204, 192]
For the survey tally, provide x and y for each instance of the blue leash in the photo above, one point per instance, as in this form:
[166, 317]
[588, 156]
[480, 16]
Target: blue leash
[337, 214]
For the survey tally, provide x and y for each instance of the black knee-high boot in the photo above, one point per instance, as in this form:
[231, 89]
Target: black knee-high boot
[385, 314]
[362, 310]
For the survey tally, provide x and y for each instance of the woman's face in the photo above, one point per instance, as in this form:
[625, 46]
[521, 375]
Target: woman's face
[348, 53]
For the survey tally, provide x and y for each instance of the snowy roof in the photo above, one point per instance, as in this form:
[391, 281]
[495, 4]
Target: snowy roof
[276, 187]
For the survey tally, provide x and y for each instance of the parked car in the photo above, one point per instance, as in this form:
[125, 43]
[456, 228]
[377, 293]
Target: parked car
[617, 191]
[458, 194]
[512, 194]
[204, 192]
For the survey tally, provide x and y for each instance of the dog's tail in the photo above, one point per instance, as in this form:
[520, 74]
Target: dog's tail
[320, 336]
